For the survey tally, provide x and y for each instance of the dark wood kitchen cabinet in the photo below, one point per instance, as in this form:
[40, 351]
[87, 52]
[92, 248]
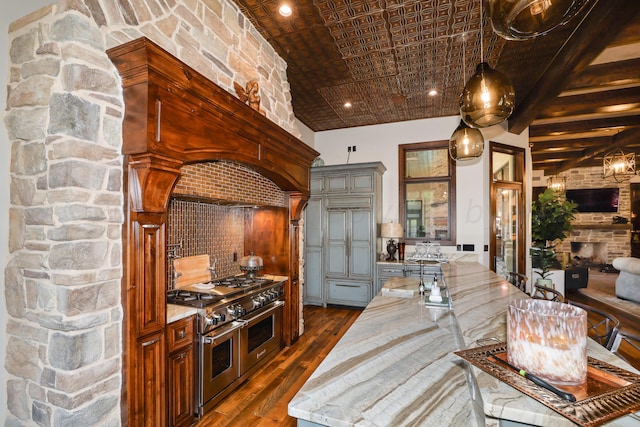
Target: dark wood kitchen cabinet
[176, 116]
[180, 372]
[150, 351]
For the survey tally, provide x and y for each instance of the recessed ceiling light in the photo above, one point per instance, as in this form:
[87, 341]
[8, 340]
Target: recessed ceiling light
[347, 104]
[432, 92]
[285, 10]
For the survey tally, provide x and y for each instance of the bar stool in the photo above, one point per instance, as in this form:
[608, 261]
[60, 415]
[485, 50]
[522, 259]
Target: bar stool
[544, 292]
[518, 280]
[602, 327]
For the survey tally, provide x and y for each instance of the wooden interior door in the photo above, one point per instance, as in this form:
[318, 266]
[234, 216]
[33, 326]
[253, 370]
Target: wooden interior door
[507, 210]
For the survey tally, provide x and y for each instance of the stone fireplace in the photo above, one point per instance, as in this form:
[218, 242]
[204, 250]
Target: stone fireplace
[64, 118]
[588, 254]
[595, 232]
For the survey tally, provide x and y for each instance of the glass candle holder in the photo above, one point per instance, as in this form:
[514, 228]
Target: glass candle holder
[548, 339]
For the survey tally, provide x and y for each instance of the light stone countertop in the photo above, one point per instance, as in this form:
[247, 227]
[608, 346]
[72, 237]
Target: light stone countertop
[177, 312]
[395, 366]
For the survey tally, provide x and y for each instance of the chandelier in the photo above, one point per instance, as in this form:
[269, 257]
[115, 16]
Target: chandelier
[619, 165]
[557, 183]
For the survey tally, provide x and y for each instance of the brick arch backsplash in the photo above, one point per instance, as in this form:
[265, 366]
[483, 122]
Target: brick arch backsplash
[64, 120]
[228, 181]
[206, 213]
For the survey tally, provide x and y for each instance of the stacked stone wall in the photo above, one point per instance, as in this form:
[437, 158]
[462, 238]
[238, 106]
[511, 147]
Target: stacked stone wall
[64, 117]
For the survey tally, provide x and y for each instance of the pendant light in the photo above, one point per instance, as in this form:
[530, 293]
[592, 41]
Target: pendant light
[488, 97]
[526, 19]
[465, 143]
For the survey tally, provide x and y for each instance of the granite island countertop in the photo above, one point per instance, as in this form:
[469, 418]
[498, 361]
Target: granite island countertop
[395, 366]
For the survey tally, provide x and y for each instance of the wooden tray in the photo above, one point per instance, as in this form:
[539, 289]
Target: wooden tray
[610, 392]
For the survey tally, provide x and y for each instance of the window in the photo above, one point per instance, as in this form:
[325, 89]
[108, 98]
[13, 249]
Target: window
[427, 192]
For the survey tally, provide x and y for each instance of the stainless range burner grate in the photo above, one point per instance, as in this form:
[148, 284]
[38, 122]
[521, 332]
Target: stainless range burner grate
[191, 298]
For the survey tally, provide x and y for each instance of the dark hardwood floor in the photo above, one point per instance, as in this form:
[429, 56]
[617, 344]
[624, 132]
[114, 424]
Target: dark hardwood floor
[262, 400]
[629, 320]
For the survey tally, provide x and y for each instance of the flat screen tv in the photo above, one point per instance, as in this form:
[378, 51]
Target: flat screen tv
[595, 199]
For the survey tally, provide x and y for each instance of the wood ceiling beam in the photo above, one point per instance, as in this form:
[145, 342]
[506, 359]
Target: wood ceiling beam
[593, 125]
[559, 146]
[621, 140]
[605, 76]
[599, 27]
[556, 157]
[615, 102]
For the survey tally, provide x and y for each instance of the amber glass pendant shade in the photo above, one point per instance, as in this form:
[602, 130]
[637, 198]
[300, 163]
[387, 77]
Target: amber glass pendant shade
[526, 19]
[465, 143]
[488, 98]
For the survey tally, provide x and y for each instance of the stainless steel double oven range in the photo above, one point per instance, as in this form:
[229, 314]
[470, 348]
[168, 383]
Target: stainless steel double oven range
[238, 329]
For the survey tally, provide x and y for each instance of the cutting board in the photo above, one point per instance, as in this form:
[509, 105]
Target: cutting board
[192, 270]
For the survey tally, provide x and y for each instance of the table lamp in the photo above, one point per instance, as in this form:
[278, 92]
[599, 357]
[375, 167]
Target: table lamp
[391, 231]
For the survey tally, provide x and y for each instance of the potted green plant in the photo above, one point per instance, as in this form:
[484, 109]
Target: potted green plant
[551, 216]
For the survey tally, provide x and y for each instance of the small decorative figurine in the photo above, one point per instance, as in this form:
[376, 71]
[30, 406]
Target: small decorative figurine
[249, 94]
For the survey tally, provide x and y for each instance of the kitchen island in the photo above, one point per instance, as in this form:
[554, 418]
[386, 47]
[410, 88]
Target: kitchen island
[395, 366]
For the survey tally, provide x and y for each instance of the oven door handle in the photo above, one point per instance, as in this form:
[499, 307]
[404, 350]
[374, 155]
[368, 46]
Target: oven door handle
[276, 305]
[207, 339]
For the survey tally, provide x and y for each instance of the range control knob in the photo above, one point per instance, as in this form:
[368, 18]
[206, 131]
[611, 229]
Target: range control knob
[257, 303]
[213, 319]
[209, 320]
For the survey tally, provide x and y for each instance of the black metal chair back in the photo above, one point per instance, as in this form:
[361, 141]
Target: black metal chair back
[519, 281]
[602, 327]
[544, 292]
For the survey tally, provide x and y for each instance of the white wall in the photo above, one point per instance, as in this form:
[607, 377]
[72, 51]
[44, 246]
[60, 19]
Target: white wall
[306, 135]
[11, 12]
[380, 143]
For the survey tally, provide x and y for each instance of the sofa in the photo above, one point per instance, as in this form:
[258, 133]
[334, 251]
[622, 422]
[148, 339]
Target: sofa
[628, 281]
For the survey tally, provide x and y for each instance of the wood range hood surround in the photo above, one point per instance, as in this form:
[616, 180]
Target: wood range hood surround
[176, 116]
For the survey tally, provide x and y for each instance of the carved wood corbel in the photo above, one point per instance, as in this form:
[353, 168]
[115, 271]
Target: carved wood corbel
[151, 180]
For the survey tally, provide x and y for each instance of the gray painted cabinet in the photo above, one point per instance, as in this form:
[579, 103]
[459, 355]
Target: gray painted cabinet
[340, 229]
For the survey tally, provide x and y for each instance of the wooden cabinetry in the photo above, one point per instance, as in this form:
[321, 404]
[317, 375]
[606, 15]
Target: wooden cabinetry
[313, 249]
[150, 381]
[180, 372]
[340, 233]
[161, 95]
[387, 270]
[146, 319]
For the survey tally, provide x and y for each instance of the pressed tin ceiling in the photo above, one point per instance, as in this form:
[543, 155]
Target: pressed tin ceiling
[384, 56]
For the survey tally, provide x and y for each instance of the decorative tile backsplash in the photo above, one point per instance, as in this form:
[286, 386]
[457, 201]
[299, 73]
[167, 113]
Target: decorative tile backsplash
[196, 228]
[206, 214]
